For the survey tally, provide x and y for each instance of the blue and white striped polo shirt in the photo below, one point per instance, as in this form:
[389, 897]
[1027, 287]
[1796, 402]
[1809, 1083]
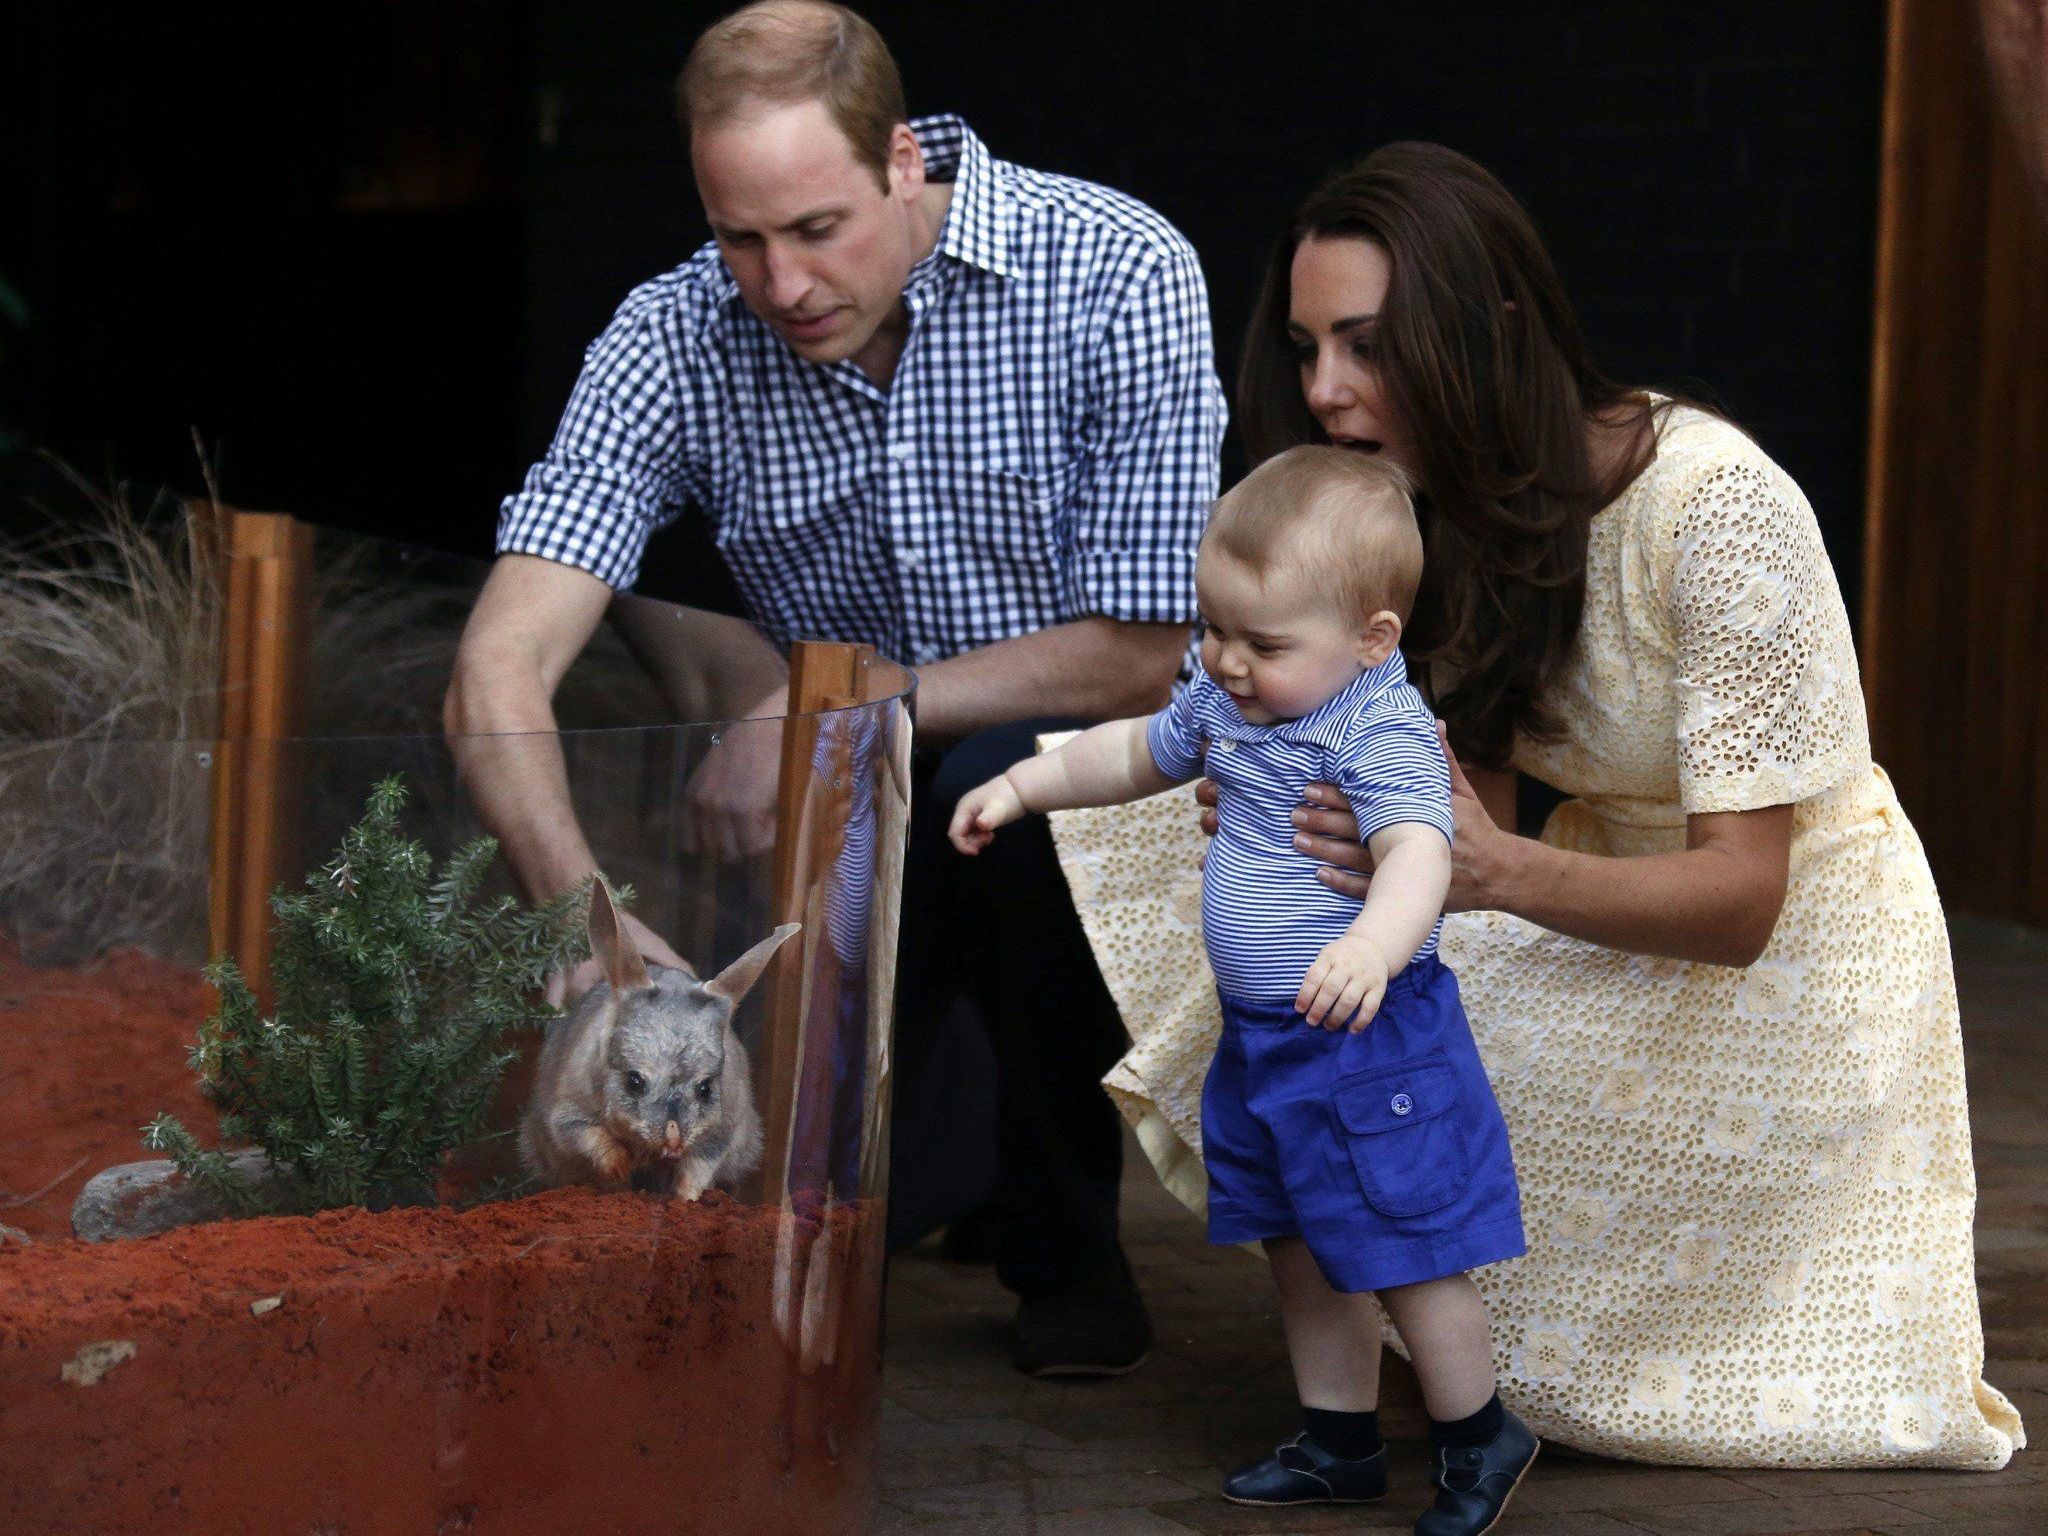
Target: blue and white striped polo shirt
[1265, 915]
[1046, 451]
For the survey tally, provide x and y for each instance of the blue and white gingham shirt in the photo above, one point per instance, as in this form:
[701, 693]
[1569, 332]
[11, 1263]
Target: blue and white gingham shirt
[1265, 915]
[1046, 451]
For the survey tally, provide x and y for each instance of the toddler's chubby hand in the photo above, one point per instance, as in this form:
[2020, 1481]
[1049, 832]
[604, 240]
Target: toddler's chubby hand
[981, 811]
[1345, 984]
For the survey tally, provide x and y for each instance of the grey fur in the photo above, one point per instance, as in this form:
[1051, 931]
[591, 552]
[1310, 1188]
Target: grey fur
[586, 1124]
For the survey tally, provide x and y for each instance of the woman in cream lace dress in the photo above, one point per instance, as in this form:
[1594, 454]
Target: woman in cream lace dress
[1716, 998]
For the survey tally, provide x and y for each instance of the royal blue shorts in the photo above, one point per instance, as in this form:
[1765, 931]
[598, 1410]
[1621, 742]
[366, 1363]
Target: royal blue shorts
[1384, 1151]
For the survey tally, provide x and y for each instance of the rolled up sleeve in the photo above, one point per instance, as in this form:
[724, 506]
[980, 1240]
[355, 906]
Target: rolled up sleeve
[615, 471]
[1152, 437]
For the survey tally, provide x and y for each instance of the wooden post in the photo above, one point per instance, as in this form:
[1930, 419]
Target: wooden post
[266, 581]
[810, 821]
[1956, 532]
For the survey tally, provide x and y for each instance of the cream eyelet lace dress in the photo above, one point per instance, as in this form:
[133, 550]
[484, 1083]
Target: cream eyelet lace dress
[1748, 1192]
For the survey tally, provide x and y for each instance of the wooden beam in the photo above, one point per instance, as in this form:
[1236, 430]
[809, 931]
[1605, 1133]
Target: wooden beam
[266, 581]
[811, 809]
[1956, 520]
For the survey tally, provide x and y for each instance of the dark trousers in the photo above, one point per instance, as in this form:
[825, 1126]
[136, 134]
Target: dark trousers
[1003, 1032]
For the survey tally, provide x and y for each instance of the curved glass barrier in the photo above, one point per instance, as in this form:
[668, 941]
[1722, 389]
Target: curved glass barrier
[541, 1332]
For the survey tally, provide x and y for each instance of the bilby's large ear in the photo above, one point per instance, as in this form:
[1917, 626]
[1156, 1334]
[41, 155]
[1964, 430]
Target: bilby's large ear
[737, 979]
[609, 946]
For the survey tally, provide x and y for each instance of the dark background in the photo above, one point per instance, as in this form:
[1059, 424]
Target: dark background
[359, 247]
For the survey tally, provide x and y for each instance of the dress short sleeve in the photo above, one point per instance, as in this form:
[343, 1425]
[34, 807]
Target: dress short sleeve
[1769, 709]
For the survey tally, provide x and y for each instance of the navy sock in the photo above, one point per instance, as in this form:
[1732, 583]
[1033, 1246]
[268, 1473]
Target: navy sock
[1349, 1436]
[1474, 1429]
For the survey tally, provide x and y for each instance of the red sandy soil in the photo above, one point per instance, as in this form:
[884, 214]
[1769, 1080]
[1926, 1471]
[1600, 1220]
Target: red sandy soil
[565, 1364]
[86, 1058]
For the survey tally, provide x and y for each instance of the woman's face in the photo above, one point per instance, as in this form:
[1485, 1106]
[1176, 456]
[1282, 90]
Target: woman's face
[1338, 286]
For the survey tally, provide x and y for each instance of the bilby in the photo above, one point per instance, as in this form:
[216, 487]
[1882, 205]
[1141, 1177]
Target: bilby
[644, 1082]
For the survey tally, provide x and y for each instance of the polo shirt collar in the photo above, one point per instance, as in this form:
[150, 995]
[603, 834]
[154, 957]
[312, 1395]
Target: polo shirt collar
[1330, 723]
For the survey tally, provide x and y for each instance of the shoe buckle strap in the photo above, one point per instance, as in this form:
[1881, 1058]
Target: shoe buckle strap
[1299, 1459]
[1461, 1468]
[1295, 1457]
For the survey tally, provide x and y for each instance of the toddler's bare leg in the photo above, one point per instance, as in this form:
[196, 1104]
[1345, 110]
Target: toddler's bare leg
[1333, 1338]
[1444, 1325]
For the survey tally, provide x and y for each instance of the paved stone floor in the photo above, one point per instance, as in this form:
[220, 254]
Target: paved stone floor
[972, 1448]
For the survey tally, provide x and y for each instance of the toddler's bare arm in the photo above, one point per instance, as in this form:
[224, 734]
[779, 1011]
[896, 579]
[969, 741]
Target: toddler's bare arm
[1413, 875]
[1107, 764]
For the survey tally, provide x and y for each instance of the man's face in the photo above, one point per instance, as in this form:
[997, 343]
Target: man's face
[820, 250]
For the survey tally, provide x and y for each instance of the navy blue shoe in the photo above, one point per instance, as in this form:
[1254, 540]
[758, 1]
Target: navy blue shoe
[1302, 1472]
[1474, 1482]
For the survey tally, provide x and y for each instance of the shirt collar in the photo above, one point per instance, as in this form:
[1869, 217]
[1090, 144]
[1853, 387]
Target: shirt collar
[977, 231]
[1326, 724]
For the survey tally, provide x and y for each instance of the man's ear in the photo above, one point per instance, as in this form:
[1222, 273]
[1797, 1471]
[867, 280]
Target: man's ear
[617, 955]
[906, 164]
[1378, 637]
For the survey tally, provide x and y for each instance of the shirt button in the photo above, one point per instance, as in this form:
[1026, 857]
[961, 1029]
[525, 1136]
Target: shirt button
[901, 451]
[1401, 1104]
[1226, 746]
[909, 558]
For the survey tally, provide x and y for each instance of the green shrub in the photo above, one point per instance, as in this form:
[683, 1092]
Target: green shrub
[395, 997]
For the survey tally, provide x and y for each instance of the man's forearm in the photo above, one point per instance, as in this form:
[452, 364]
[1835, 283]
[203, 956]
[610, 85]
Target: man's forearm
[502, 732]
[1090, 669]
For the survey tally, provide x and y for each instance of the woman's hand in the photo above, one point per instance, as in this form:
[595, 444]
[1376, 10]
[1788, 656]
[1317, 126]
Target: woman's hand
[1482, 854]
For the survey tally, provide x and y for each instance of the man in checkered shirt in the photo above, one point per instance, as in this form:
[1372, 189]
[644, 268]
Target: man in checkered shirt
[960, 410]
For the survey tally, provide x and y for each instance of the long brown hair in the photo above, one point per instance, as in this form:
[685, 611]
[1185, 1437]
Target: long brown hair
[1483, 362]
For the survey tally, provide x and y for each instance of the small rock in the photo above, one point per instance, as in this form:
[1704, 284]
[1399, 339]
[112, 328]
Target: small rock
[94, 1361]
[267, 1304]
[141, 1199]
[14, 1235]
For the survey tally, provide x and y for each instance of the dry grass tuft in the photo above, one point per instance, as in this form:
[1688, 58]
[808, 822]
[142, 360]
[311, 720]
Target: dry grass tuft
[110, 649]
[109, 669]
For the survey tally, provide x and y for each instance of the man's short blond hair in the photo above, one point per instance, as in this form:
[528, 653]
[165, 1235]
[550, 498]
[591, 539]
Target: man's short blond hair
[1343, 520]
[780, 52]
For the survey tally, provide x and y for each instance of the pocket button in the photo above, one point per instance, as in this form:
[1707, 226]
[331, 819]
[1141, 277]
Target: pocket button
[1401, 1104]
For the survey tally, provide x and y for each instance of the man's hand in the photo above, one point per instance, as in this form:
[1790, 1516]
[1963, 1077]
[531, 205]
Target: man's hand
[729, 807]
[564, 987]
[1345, 984]
[981, 811]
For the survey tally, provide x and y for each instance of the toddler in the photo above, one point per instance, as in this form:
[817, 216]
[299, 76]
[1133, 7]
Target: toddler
[1346, 1121]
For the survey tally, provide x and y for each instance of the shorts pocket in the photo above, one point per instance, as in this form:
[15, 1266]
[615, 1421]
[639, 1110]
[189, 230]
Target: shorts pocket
[1406, 1145]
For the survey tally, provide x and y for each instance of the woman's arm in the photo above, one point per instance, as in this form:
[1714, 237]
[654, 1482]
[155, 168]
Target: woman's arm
[1718, 901]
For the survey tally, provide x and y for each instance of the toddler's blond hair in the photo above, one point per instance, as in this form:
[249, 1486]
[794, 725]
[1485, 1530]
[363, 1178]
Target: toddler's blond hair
[1342, 520]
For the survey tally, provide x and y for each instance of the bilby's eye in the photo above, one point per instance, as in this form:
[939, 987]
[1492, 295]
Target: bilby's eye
[636, 1084]
[703, 1090]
